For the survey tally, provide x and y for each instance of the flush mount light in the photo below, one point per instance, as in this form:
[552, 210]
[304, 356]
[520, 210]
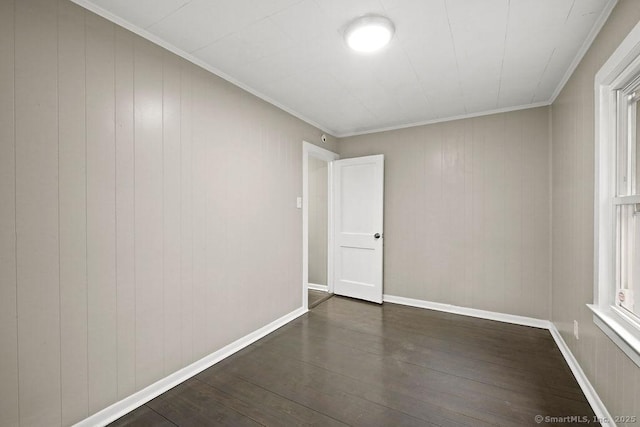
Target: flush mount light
[368, 34]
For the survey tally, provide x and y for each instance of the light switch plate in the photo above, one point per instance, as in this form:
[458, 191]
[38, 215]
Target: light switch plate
[299, 202]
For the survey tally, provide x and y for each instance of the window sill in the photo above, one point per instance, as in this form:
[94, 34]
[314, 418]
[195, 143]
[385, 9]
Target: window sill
[621, 332]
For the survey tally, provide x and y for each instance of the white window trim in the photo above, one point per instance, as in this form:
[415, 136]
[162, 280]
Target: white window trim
[617, 325]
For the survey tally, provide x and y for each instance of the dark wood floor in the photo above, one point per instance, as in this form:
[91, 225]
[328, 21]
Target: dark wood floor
[348, 362]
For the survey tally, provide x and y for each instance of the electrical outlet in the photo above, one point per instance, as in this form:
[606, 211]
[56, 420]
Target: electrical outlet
[576, 330]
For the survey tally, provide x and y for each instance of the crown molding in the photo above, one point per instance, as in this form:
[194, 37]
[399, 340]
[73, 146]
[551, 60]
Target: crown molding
[191, 58]
[445, 119]
[595, 30]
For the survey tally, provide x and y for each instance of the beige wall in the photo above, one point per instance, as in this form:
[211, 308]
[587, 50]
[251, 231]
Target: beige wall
[467, 211]
[134, 192]
[615, 377]
[134, 189]
[318, 228]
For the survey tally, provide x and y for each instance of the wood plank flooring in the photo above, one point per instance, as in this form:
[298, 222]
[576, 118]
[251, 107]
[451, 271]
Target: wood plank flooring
[349, 362]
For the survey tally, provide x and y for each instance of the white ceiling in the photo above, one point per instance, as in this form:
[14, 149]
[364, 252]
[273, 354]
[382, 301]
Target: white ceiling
[448, 58]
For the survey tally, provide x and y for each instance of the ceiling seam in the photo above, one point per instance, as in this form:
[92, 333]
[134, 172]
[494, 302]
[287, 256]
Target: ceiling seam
[168, 14]
[595, 30]
[455, 54]
[504, 53]
[544, 72]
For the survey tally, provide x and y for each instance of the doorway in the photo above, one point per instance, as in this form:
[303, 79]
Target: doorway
[317, 257]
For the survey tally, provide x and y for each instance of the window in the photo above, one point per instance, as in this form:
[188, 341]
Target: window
[617, 197]
[627, 201]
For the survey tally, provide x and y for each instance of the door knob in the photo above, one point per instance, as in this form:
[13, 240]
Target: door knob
[377, 235]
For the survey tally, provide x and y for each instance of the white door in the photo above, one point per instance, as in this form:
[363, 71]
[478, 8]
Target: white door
[358, 186]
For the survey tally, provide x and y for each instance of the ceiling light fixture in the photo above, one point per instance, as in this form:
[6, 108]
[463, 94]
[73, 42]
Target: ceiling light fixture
[370, 33]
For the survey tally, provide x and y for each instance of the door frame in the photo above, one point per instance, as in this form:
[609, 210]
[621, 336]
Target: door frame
[312, 150]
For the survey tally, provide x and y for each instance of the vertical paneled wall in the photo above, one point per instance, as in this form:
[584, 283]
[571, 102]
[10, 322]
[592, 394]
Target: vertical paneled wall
[467, 211]
[147, 213]
[37, 210]
[615, 377]
[72, 199]
[8, 249]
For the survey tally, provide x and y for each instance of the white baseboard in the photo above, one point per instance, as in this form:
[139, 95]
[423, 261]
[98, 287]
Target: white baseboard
[465, 311]
[315, 287]
[590, 393]
[128, 404]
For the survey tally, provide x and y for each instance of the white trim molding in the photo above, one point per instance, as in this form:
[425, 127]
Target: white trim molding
[595, 30]
[312, 150]
[128, 404]
[471, 312]
[89, 5]
[316, 287]
[444, 119]
[609, 322]
[191, 58]
[589, 391]
[621, 69]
